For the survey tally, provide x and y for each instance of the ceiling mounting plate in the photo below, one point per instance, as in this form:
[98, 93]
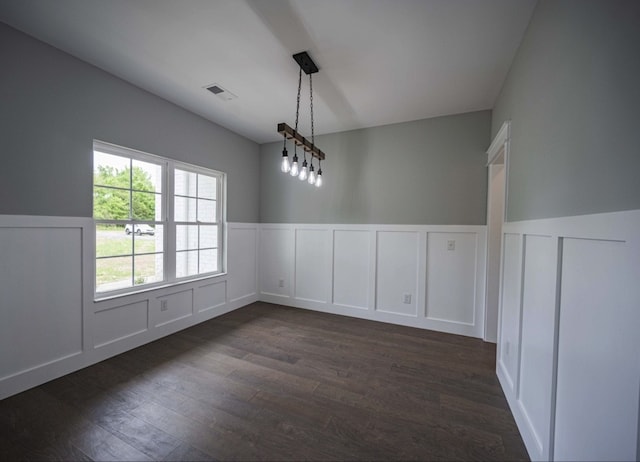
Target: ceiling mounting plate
[305, 62]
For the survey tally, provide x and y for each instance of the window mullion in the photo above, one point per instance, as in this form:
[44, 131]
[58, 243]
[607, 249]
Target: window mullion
[133, 259]
[170, 236]
[219, 220]
[198, 223]
[131, 189]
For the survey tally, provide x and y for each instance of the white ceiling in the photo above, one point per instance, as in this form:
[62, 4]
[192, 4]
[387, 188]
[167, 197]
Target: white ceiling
[381, 61]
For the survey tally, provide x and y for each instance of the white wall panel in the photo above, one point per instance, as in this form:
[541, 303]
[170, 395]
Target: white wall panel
[49, 323]
[311, 264]
[578, 381]
[397, 272]
[118, 323]
[538, 320]
[370, 269]
[451, 277]
[509, 340]
[210, 296]
[242, 259]
[171, 307]
[351, 268]
[40, 296]
[276, 252]
[598, 353]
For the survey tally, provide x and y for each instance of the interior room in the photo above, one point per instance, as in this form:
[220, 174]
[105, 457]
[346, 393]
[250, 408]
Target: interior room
[321, 230]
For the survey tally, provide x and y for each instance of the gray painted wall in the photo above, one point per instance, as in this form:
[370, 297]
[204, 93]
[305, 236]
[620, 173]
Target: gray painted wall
[53, 106]
[573, 94]
[429, 171]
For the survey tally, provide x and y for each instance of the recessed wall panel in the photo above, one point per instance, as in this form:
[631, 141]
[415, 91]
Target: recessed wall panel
[118, 323]
[351, 268]
[210, 296]
[397, 272]
[510, 320]
[172, 307]
[40, 296]
[242, 253]
[276, 247]
[311, 271]
[598, 353]
[538, 320]
[451, 277]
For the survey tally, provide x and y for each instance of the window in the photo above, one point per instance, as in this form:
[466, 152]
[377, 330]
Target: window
[197, 219]
[157, 221]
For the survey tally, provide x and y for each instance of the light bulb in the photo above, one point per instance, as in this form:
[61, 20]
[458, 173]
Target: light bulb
[312, 176]
[294, 166]
[285, 167]
[319, 179]
[294, 169]
[304, 171]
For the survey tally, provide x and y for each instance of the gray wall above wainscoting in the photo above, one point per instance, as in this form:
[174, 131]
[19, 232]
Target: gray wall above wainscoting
[572, 96]
[52, 108]
[429, 171]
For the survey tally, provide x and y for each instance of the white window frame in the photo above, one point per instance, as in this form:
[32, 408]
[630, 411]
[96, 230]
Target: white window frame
[167, 219]
[220, 216]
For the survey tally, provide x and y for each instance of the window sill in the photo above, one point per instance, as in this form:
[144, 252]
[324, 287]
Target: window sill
[159, 286]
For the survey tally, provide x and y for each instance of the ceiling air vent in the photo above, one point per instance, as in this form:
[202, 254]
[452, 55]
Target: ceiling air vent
[220, 92]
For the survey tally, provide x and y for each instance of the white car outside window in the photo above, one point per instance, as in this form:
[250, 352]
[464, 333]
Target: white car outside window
[140, 229]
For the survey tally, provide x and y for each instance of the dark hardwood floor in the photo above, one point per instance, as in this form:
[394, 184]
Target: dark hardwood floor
[272, 383]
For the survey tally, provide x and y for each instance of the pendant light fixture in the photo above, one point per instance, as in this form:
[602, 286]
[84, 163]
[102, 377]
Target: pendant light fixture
[307, 171]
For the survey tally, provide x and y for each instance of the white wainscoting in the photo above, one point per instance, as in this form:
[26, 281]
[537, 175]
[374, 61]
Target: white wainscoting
[447, 301]
[49, 323]
[276, 248]
[352, 269]
[402, 274]
[242, 254]
[509, 324]
[312, 260]
[397, 286]
[568, 340]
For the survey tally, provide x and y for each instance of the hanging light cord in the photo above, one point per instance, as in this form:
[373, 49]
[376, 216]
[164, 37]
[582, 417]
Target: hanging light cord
[313, 142]
[298, 100]
[295, 146]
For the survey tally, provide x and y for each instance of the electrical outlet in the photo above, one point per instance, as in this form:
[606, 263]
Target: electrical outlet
[163, 305]
[451, 245]
[406, 299]
[281, 283]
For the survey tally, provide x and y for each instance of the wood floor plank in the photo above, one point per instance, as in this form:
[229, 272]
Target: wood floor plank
[100, 444]
[268, 382]
[143, 436]
[187, 453]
